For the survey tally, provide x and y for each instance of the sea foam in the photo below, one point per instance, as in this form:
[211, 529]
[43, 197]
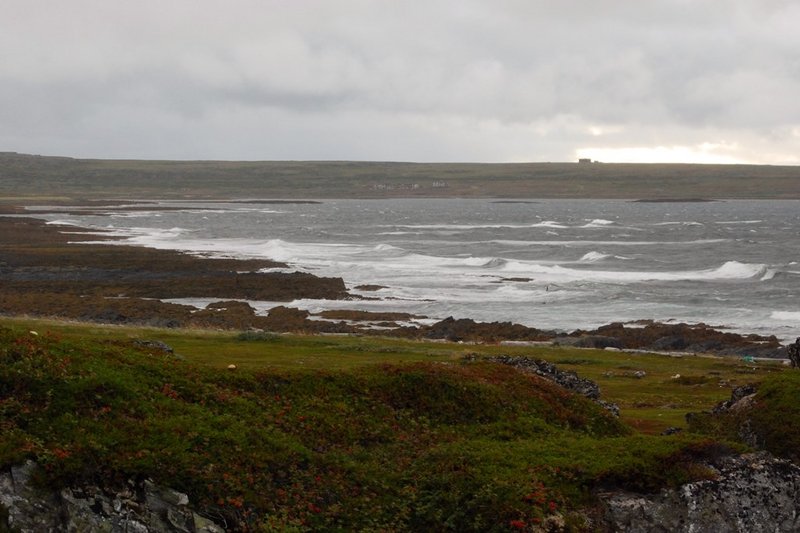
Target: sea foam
[793, 316]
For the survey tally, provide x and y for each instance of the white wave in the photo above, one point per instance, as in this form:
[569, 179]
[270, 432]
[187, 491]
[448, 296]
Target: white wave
[62, 223]
[769, 274]
[598, 223]
[507, 242]
[548, 224]
[731, 270]
[544, 224]
[786, 315]
[133, 214]
[388, 248]
[593, 257]
[145, 236]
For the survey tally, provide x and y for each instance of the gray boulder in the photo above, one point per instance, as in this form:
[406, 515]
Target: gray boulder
[569, 380]
[753, 493]
[147, 508]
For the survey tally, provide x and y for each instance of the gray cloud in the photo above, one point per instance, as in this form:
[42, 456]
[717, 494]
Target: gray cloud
[440, 80]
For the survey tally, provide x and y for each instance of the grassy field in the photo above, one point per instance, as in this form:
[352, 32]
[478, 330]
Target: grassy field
[651, 403]
[24, 178]
[352, 433]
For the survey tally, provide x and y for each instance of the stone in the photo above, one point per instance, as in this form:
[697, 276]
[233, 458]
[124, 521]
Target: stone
[737, 395]
[159, 498]
[753, 493]
[590, 341]
[148, 508]
[793, 352]
[692, 338]
[204, 525]
[569, 380]
[155, 345]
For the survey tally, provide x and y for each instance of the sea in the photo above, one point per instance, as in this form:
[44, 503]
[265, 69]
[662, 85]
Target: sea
[550, 264]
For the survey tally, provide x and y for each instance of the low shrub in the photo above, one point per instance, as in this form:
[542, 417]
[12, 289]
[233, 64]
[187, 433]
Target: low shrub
[468, 447]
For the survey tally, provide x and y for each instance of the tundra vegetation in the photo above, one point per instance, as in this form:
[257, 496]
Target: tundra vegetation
[342, 432]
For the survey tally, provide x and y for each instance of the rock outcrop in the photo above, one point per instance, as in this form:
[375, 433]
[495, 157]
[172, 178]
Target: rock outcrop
[138, 508]
[567, 379]
[793, 351]
[465, 329]
[693, 338]
[740, 397]
[751, 493]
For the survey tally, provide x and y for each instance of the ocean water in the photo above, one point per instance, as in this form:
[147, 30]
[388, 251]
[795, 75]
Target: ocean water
[560, 264]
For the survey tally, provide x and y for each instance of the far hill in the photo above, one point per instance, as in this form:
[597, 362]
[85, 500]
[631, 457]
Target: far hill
[25, 177]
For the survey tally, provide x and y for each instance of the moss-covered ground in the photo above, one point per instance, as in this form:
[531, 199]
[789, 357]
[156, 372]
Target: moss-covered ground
[350, 433]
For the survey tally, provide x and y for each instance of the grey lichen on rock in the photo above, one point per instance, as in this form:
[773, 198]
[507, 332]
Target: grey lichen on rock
[148, 508]
[751, 493]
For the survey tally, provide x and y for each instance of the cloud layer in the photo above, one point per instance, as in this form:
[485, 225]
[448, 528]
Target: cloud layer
[509, 80]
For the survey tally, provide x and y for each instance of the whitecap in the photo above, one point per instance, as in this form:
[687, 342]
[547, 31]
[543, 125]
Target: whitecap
[508, 242]
[730, 270]
[467, 227]
[769, 274]
[592, 257]
[598, 223]
[786, 315]
[62, 223]
[548, 224]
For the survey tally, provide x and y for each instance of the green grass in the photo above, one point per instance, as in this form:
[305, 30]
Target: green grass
[352, 433]
[771, 421]
[651, 404]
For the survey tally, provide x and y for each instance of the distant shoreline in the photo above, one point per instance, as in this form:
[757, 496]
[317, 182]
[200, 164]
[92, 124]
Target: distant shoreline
[26, 178]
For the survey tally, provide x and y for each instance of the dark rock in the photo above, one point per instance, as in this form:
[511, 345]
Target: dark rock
[752, 493]
[370, 288]
[465, 329]
[793, 352]
[670, 343]
[567, 379]
[697, 338]
[149, 509]
[154, 345]
[737, 395]
[609, 406]
[349, 314]
[590, 341]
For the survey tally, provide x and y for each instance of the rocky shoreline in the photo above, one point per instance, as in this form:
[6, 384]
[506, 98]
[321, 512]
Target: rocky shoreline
[47, 272]
[80, 275]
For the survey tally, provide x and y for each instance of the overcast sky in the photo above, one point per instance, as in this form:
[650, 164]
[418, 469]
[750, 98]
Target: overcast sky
[433, 80]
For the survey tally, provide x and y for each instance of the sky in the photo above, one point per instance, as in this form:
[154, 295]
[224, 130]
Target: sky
[705, 81]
